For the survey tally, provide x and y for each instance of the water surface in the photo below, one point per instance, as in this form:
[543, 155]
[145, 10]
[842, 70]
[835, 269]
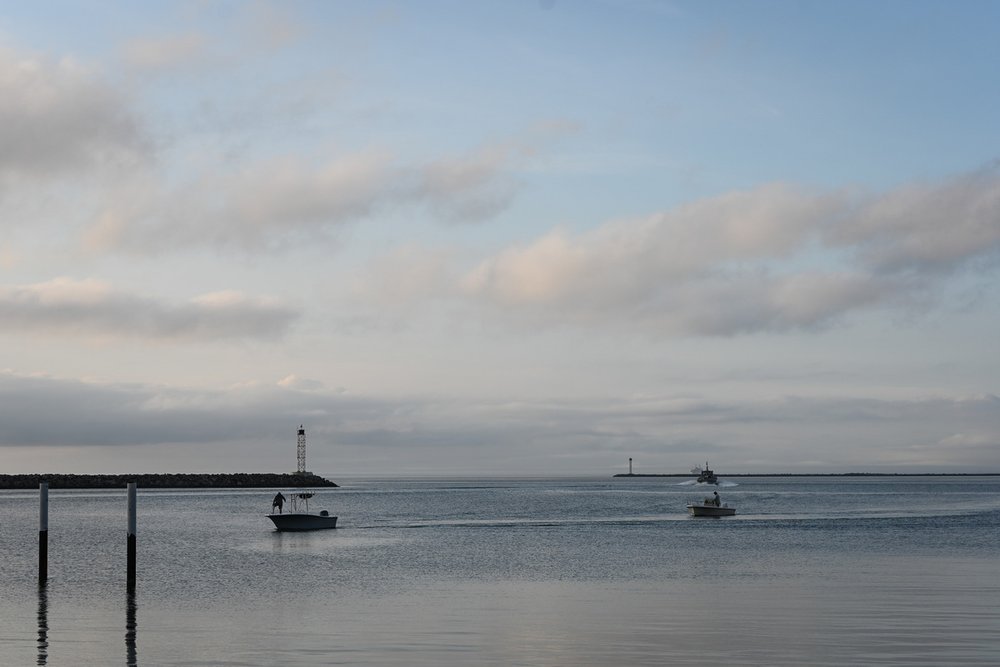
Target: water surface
[811, 571]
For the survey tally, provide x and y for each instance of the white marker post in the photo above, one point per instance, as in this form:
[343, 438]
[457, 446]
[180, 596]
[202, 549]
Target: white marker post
[131, 537]
[43, 532]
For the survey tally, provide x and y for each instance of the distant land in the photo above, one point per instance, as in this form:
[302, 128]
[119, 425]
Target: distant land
[821, 474]
[240, 480]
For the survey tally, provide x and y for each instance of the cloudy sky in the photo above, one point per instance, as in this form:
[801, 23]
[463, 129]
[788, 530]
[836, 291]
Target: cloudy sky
[510, 237]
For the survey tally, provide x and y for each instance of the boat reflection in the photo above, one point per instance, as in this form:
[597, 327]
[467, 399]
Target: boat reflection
[43, 623]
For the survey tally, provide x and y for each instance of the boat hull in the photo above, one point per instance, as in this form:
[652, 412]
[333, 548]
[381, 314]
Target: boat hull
[710, 510]
[293, 522]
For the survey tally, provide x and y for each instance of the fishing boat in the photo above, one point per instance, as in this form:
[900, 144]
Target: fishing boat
[299, 517]
[709, 508]
[705, 475]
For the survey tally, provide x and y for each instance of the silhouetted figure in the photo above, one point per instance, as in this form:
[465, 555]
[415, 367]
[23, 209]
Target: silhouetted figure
[717, 500]
[279, 502]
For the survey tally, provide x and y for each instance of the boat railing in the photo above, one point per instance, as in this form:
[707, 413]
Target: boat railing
[302, 497]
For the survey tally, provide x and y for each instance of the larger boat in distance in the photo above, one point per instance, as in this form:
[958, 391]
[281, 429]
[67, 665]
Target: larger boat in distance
[705, 475]
[300, 518]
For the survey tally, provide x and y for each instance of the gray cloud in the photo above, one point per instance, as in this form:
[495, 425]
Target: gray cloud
[468, 188]
[89, 307]
[920, 228]
[400, 435]
[750, 302]
[61, 117]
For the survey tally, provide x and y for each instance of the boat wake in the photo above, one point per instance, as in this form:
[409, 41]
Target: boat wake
[705, 485]
[543, 522]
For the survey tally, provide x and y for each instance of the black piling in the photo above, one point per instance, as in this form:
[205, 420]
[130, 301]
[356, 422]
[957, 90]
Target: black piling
[43, 532]
[131, 537]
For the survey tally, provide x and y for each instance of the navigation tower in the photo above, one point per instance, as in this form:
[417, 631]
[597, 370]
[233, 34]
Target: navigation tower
[302, 449]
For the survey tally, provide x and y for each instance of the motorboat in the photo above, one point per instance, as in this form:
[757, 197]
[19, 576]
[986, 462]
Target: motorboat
[299, 517]
[708, 507]
[705, 475]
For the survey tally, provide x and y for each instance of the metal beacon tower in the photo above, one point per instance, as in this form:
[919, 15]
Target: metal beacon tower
[302, 449]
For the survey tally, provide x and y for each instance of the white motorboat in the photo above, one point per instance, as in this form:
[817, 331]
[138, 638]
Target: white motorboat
[299, 517]
[709, 508]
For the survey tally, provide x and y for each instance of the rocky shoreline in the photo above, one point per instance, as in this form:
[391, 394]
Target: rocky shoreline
[241, 480]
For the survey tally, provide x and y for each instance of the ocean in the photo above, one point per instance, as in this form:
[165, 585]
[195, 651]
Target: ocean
[532, 572]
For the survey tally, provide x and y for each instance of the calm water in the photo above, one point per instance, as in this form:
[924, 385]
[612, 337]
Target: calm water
[812, 571]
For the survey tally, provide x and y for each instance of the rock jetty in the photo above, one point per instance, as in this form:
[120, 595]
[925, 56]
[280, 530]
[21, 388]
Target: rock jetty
[240, 480]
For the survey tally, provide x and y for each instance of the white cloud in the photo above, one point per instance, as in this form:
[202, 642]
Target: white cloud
[264, 205]
[631, 261]
[775, 259]
[273, 203]
[67, 307]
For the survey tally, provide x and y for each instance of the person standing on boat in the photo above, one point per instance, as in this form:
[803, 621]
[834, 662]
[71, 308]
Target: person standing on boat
[279, 502]
[717, 501]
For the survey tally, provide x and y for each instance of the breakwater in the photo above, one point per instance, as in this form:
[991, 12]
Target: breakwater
[245, 480]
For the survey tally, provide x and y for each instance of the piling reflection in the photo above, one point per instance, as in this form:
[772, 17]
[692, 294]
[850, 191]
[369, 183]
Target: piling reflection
[131, 659]
[43, 623]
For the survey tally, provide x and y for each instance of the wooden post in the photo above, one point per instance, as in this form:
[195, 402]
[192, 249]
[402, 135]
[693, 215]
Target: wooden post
[131, 537]
[43, 532]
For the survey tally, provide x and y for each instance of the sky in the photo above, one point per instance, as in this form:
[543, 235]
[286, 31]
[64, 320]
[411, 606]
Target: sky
[517, 237]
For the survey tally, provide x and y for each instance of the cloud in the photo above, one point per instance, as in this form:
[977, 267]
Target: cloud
[67, 307]
[61, 117]
[469, 188]
[302, 384]
[157, 54]
[270, 25]
[261, 28]
[264, 205]
[715, 267]
[67, 412]
[631, 260]
[406, 276]
[775, 258]
[277, 202]
[366, 433]
[928, 227]
[753, 302]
